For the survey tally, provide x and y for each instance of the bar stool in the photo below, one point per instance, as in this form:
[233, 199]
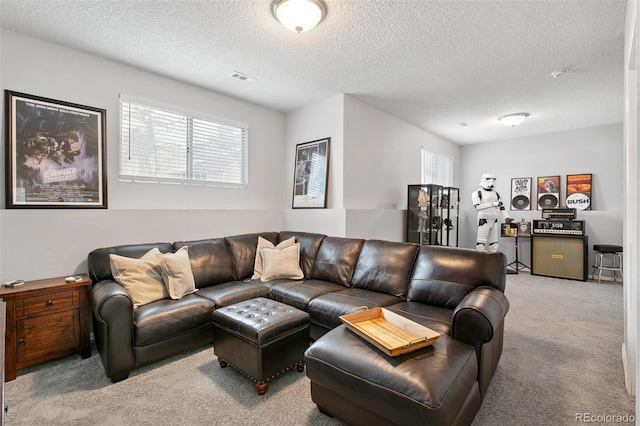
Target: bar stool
[615, 263]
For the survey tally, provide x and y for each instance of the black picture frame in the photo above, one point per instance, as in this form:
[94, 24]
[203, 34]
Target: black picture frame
[55, 154]
[521, 193]
[311, 174]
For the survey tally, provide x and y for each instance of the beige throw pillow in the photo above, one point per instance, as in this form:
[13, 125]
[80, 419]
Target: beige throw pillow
[141, 277]
[281, 264]
[176, 273]
[264, 243]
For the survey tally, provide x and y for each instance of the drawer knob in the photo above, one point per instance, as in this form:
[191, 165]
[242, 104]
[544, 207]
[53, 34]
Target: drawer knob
[22, 341]
[49, 303]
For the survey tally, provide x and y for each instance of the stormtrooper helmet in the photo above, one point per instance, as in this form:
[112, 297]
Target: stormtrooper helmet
[488, 181]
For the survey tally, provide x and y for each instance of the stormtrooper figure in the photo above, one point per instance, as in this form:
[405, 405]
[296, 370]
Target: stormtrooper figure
[489, 205]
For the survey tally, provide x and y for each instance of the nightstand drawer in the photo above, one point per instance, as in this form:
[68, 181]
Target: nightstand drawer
[61, 300]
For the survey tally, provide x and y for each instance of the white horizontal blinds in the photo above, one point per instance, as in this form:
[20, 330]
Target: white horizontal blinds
[164, 146]
[436, 168]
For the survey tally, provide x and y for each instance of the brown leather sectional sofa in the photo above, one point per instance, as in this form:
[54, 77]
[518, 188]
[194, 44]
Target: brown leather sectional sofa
[457, 292]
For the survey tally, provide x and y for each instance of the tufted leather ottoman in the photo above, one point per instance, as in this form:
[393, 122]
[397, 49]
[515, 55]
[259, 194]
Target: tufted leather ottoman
[261, 338]
[357, 383]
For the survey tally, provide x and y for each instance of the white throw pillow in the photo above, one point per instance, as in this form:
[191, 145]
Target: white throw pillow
[264, 243]
[281, 264]
[141, 277]
[177, 274]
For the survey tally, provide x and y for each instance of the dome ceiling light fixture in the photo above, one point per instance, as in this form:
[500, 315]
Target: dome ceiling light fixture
[513, 119]
[299, 15]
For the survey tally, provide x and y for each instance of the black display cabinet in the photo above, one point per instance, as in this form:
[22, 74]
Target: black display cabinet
[424, 214]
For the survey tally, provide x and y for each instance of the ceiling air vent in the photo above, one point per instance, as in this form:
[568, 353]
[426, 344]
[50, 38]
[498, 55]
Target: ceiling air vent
[242, 77]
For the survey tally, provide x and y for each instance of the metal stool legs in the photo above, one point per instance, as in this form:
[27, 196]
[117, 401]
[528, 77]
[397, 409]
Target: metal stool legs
[615, 264]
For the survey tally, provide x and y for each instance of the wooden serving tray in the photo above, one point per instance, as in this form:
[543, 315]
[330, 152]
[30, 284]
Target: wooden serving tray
[393, 334]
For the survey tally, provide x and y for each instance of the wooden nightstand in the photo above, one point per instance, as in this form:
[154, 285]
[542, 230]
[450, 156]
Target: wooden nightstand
[46, 319]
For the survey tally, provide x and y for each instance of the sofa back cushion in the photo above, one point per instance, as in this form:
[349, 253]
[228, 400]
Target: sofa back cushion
[243, 249]
[385, 267]
[98, 259]
[309, 247]
[442, 276]
[336, 260]
[211, 261]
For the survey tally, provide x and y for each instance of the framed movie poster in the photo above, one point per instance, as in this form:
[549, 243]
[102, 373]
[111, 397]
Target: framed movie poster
[579, 191]
[521, 193]
[55, 153]
[548, 192]
[311, 174]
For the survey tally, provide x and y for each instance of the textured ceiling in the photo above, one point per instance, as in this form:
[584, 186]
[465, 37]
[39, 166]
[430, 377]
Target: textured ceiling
[432, 63]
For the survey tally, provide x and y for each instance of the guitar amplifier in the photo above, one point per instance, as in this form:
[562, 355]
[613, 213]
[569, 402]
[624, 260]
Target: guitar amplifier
[560, 256]
[558, 227]
[559, 213]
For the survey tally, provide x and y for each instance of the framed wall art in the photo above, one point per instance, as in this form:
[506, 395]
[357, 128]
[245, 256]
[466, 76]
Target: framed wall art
[548, 192]
[521, 193]
[579, 191]
[311, 174]
[55, 153]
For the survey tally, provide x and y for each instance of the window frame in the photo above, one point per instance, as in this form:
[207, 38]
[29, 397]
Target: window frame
[190, 116]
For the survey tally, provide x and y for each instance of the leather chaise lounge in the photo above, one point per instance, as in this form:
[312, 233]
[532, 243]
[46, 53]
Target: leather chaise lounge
[457, 292]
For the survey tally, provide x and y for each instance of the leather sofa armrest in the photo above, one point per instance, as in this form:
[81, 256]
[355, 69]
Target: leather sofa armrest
[112, 308]
[478, 316]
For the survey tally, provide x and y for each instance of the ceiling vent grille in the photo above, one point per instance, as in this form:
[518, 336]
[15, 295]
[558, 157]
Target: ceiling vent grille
[242, 77]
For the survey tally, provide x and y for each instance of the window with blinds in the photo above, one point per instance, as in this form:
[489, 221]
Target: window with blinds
[437, 169]
[161, 146]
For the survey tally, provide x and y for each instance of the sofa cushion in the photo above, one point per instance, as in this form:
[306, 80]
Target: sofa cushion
[141, 277]
[231, 292]
[176, 273]
[281, 264]
[433, 317]
[262, 243]
[336, 260]
[243, 249]
[443, 276]
[299, 293]
[325, 310]
[385, 267]
[211, 261]
[309, 246]
[169, 318]
[98, 260]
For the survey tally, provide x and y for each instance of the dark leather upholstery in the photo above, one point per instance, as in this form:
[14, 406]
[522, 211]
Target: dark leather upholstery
[211, 261]
[385, 267]
[299, 293]
[325, 310]
[309, 246]
[354, 381]
[165, 319]
[443, 276]
[243, 248]
[458, 292]
[231, 292]
[261, 337]
[336, 260]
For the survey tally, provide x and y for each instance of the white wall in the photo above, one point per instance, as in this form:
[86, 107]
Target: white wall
[631, 207]
[44, 243]
[595, 150]
[374, 156]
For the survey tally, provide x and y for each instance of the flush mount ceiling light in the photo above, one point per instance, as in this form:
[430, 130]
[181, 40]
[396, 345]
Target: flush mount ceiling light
[513, 119]
[299, 15]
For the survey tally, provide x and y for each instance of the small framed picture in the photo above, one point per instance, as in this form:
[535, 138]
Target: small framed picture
[55, 154]
[311, 174]
[579, 191]
[548, 192]
[521, 193]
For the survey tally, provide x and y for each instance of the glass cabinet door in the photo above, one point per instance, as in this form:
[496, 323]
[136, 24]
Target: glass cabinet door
[424, 214]
[450, 216]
